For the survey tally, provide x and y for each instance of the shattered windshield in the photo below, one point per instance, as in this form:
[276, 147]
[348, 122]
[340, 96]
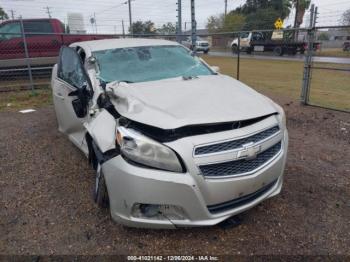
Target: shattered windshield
[149, 63]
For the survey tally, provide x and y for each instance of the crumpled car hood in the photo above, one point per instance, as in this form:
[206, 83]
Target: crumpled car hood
[174, 103]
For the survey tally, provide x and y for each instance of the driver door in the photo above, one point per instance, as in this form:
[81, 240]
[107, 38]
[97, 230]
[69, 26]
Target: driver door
[71, 95]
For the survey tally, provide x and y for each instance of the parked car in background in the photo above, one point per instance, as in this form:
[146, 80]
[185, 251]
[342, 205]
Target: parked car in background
[260, 42]
[201, 44]
[173, 142]
[44, 38]
[346, 46]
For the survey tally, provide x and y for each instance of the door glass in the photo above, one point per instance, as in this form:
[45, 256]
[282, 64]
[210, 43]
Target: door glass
[10, 30]
[71, 69]
[244, 35]
[37, 27]
[257, 37]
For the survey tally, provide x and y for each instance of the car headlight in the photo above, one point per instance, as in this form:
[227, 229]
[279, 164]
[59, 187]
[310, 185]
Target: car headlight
[281, 115]
[143, 150]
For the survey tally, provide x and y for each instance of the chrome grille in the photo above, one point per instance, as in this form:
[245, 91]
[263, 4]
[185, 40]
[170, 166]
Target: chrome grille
[235, 144]
[240, 166]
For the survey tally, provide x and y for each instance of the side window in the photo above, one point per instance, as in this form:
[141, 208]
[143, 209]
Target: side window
[70, 68]
[244, 35]
[37, 27]
[257, 37]
[10, 30]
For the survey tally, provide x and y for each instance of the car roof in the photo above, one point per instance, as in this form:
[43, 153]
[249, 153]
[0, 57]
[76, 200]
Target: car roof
[105, 44]
[28, 20]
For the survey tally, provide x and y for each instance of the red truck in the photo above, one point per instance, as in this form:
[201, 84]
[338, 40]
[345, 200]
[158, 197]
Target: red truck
[44, 39]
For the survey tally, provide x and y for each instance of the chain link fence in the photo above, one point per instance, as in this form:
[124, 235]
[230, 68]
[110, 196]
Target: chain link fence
[272, 61]
[328, 82]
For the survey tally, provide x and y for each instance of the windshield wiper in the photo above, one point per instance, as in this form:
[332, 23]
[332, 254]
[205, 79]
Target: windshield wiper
[189, 77]
[125, 81]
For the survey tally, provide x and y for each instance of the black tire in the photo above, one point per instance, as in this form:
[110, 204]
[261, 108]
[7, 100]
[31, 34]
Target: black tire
[249, 51]
[100, 191]
[234, 49]
[206, 52]
[278, 51]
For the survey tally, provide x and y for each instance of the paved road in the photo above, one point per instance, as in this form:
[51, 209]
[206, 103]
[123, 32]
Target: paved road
[321, 59]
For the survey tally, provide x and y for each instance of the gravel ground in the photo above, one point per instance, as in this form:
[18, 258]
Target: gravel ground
[46, 202]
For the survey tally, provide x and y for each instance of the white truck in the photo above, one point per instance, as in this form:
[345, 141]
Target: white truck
[201, 44]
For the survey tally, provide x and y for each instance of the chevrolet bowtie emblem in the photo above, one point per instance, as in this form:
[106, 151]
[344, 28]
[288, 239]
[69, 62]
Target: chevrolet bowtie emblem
[249, 151]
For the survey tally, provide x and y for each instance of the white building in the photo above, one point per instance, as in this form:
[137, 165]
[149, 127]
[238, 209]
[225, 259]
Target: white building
[76, 23]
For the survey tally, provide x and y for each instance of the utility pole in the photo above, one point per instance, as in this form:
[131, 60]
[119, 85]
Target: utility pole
[179, 20]
[194, 26]
[130, 18]
[123, 28]
[225, 7]
[315, 16]
[95, 23]
[48, 11]
[296, 20]
[12, 14]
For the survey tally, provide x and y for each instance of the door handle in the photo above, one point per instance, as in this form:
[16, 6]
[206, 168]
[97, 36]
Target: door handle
[59, 95]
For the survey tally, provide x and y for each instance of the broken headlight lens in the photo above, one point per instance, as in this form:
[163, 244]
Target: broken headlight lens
[143, 150]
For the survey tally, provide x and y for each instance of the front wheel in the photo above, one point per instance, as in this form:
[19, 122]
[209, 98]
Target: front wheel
[206, 52]
[278, 51]
[234, 49]
[100, 192]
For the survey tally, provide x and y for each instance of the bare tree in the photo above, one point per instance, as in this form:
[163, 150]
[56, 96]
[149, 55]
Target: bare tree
[346, 18]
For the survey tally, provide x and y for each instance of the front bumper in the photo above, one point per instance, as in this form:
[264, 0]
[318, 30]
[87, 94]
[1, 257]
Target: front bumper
[129, 185]
[202, 48]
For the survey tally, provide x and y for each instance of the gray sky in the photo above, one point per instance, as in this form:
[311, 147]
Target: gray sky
[110, 13]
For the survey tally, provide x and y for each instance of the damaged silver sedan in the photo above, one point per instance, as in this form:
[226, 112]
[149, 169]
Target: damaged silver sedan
[174, 143]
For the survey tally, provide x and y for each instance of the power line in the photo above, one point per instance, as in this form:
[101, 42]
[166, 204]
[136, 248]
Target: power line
[48, 11]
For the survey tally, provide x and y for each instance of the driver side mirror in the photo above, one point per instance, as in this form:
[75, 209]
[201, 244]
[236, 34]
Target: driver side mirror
[92, 60]
[80, 104]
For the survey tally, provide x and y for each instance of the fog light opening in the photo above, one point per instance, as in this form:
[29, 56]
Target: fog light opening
[160, 212]
[150, 210]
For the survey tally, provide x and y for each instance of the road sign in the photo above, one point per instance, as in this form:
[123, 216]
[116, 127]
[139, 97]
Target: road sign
[277, 35]
[279, 23]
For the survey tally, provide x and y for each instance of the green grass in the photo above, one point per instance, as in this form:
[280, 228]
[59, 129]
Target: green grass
[335, 52]
[328, 88]
[14, 101]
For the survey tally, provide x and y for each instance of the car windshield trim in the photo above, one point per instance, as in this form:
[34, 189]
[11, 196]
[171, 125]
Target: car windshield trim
[148, 63]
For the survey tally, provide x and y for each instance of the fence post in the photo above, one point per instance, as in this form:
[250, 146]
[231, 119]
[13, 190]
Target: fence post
[305, 90]
[238, 54]
[194, 27]
[27, 57]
